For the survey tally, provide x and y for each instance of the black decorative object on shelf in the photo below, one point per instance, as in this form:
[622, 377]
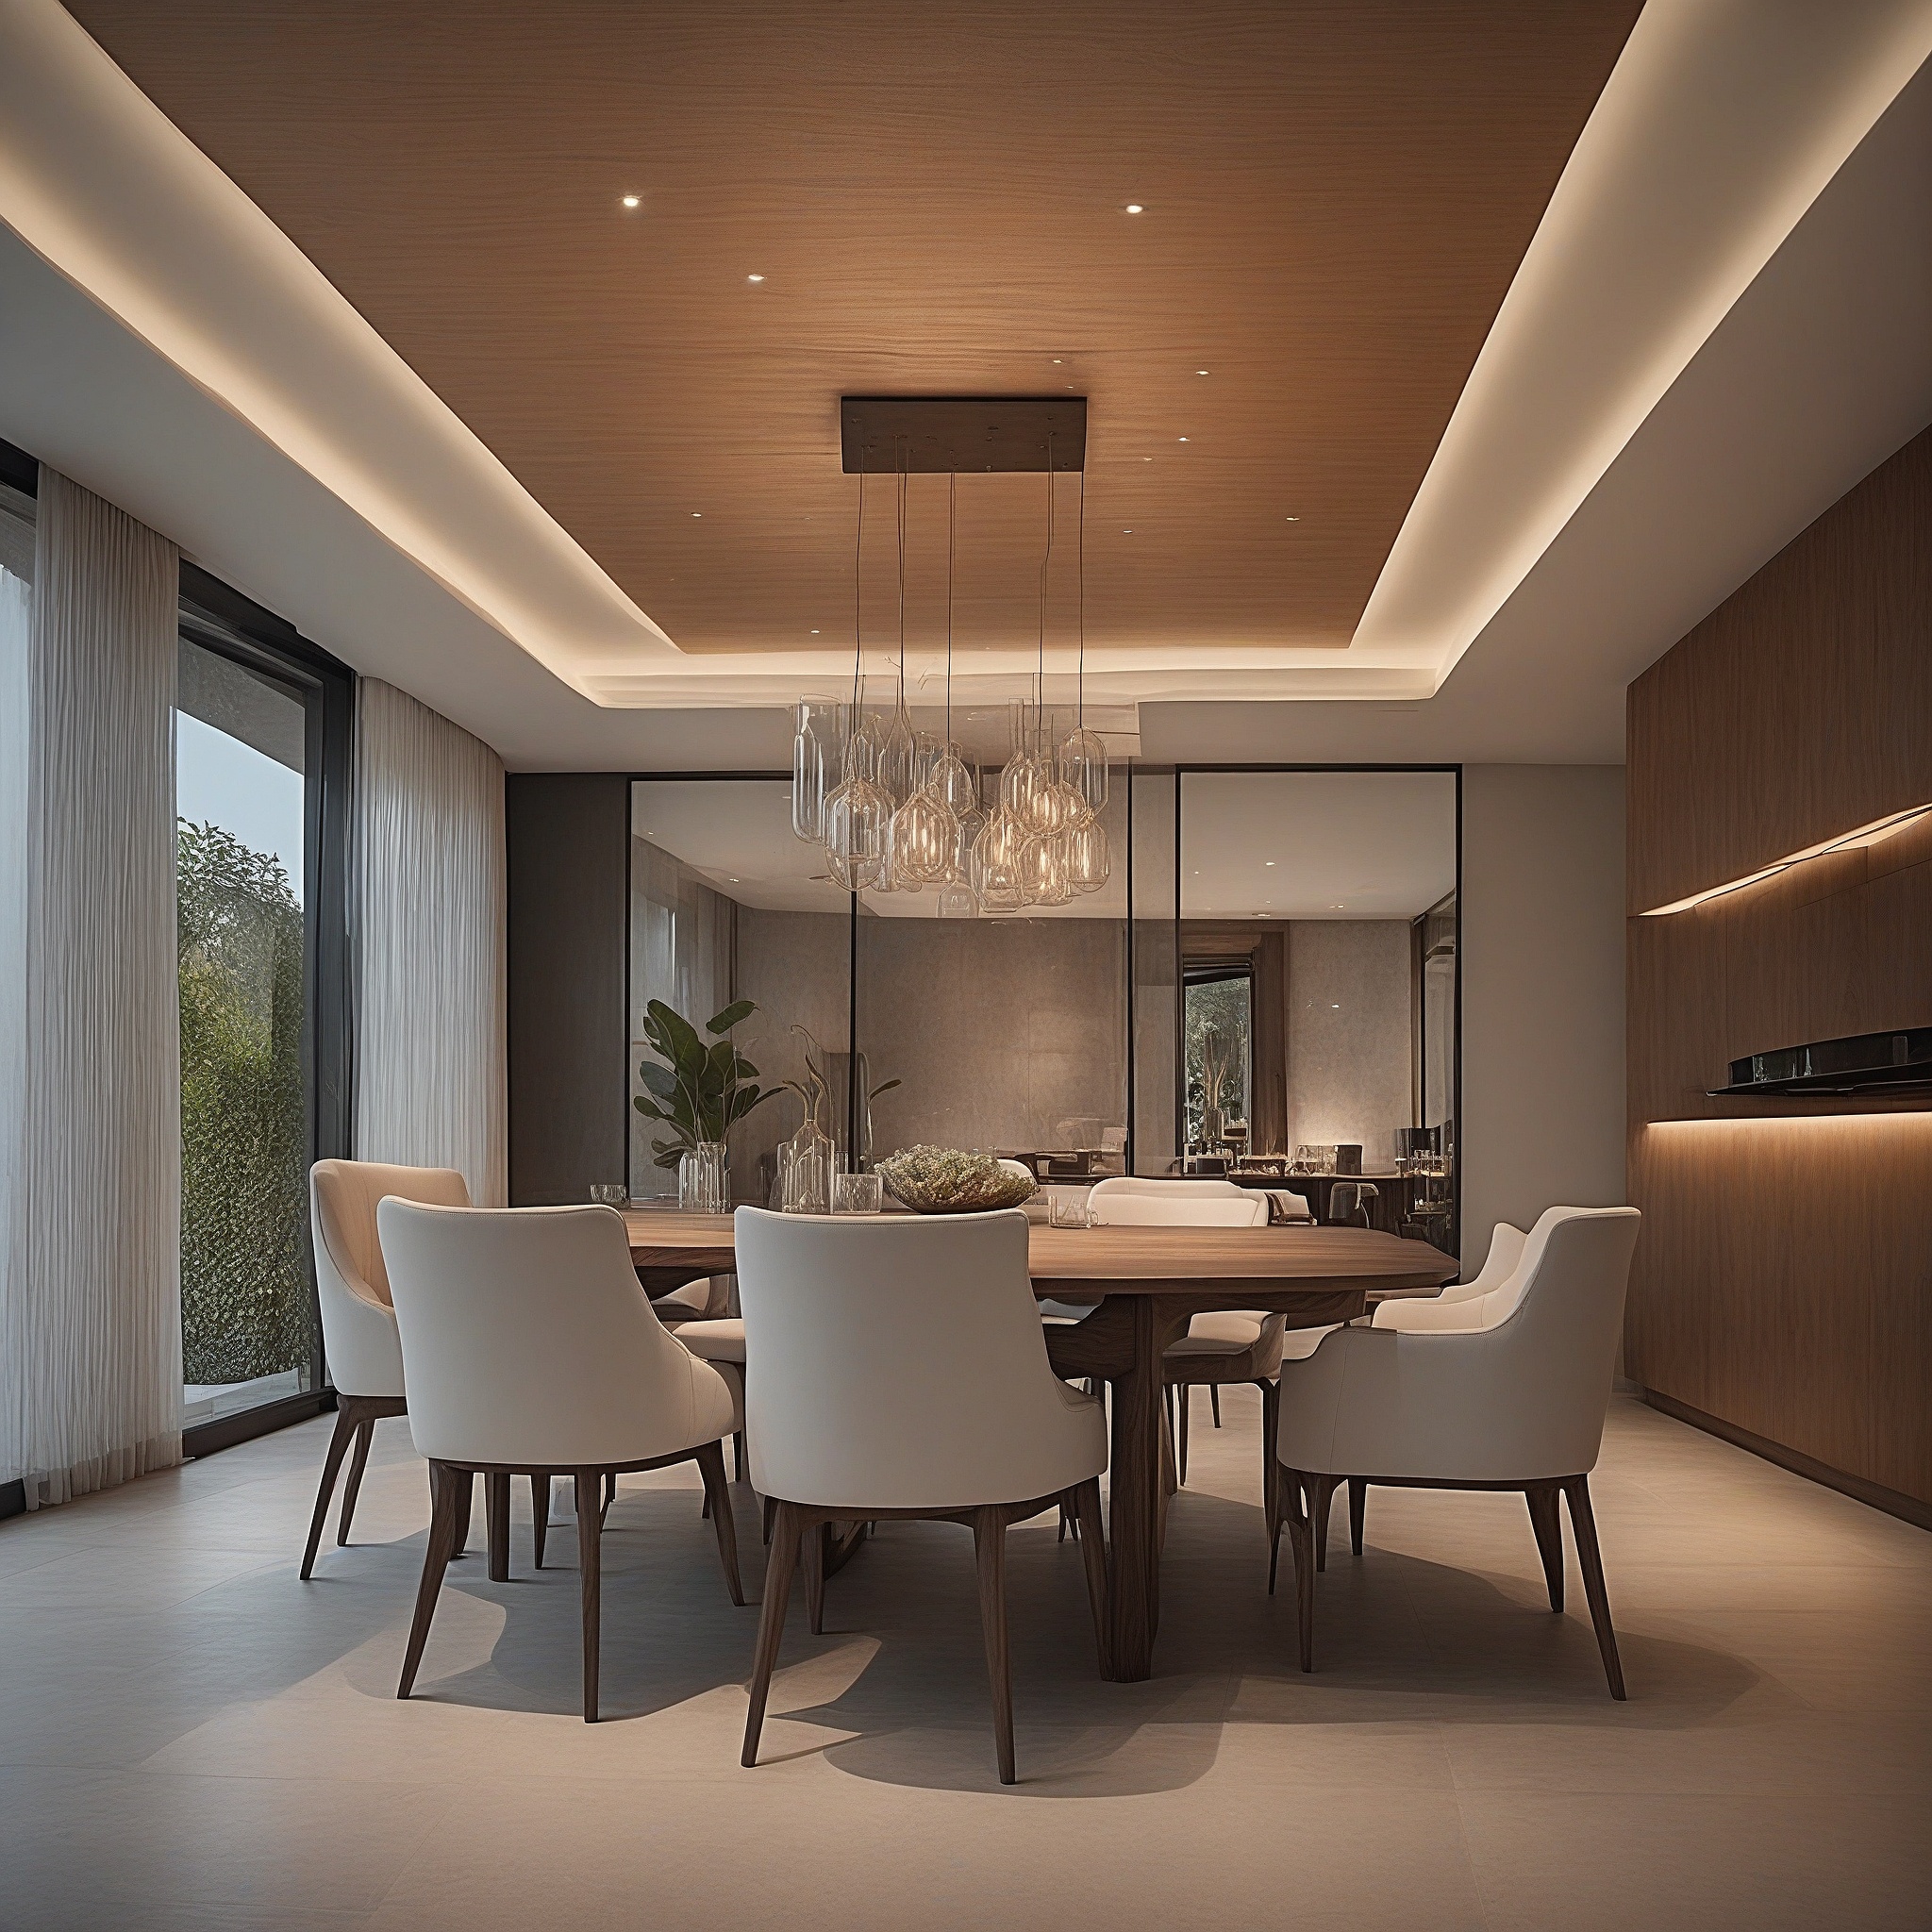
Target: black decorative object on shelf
[1875, 1063]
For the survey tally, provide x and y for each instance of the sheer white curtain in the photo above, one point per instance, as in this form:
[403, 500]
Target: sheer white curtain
[430, 1054]
[92, 1298]
[16, 618]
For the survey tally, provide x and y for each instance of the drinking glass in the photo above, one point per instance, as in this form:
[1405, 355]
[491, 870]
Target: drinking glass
[856, 1193]
[1067, 1210]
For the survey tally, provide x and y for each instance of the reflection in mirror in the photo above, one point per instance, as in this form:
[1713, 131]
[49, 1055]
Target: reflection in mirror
[1317, 943]
[727, 905]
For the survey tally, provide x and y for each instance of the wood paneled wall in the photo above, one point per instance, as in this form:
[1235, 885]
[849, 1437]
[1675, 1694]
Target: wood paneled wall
[1783, 1284]
[568, 837]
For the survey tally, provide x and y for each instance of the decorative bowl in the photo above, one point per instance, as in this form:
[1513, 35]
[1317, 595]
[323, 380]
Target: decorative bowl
[948, 1180]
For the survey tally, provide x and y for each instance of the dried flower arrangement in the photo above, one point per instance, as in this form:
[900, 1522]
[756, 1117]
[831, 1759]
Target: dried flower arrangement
[949, 1180]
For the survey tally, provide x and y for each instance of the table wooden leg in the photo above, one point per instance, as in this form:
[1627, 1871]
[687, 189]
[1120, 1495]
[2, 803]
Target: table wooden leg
[1137, 1501]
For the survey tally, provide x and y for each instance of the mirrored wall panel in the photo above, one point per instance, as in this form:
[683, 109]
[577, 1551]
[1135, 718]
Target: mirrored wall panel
[1280, 1006]
[1316, 936]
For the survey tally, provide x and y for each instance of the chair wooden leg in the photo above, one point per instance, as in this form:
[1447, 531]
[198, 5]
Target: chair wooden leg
[989, 1549]
[1086, 1502]
[1320, 1494]
[1545, 1519]
[331, 1464]
[1183, 1402]
[1358, 1510]
[1214, 1397]
[353, 1488]
[1590, 1560]
[778, 1568]
[496, 1515]
[540, 1516]
[589, 1564]
[711, 1467]
[450, 1501]
[609, 1495]
[767, 1515]
[1301, 1536]
[1271, 1469]
[812, 1556]
[740, 1462]
[1271, 1498]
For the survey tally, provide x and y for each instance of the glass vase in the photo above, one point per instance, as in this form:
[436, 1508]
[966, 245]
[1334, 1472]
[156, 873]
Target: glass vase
[805, 1171]
[702, 1185]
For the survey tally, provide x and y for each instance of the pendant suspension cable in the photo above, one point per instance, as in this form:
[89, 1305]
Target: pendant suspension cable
[1080, 567]
[1045, 565]
[858, 599]
[904, 460]
[952, 536]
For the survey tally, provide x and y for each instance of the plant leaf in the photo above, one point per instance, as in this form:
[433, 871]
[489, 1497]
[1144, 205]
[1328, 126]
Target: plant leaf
[660, 1081]
[687, 1048]
[886, 1088]
[733, 1015]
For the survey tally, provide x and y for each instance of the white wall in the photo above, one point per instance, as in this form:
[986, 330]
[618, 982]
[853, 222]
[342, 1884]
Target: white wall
[1543, 993]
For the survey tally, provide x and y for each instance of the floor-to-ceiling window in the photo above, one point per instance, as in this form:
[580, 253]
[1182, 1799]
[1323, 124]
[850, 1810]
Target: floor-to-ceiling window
[260, 767]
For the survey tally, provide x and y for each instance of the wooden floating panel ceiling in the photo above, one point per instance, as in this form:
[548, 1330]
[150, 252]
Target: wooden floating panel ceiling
[929, 436]
[934, 199]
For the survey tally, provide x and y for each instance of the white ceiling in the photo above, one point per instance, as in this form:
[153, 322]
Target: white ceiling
[1316, 844]
[736, 834]
[1266, 844]
[1689, 368]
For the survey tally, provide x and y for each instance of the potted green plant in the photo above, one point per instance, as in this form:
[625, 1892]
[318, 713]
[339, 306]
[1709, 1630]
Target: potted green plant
[698, 1090]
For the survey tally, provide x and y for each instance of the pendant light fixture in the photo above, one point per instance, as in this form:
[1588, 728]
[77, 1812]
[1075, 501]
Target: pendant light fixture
[856, 812]
[905, 810]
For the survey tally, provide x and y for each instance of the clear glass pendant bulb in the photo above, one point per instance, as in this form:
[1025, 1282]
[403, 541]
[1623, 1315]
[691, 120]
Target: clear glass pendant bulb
[1056, 807]
[997, 853]
[925, 834]
[1083, 770]
[862, 741]
[1088, 863]
[858, 815]
[1043, 870]
[951, 780]
[970, 824]
[808, 776]
[899, 757]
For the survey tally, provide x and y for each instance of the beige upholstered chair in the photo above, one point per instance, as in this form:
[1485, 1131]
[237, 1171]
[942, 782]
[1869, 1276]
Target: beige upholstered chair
[359, 1325]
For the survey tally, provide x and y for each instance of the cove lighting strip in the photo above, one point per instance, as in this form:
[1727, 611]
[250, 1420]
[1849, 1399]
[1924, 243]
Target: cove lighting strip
[1845, 842]
[1751, 1121]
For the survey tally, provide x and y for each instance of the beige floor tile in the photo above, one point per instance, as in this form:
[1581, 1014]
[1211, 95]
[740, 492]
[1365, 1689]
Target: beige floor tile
[178, 1713]
[1724, 1863]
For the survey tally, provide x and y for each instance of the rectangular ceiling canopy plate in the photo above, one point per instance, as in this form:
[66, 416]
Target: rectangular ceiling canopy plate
[961, 434]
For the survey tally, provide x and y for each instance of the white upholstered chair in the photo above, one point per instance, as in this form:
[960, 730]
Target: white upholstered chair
[530, 1348]
[359, 1325]
[1447, 1310]
[1512, 1400]
[897, 1368]
[1220, 1349]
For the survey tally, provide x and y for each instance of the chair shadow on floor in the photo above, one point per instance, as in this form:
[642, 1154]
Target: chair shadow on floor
[899, 1679]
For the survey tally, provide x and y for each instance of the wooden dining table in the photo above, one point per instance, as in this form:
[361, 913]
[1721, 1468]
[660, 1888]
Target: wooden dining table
[1147, 1283]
